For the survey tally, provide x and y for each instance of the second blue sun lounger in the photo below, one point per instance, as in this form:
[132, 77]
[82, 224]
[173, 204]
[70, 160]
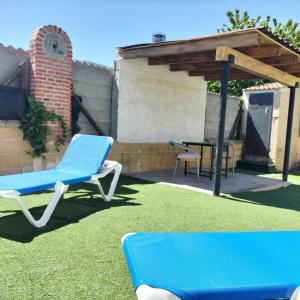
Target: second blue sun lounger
[83, 161]
[214, 266]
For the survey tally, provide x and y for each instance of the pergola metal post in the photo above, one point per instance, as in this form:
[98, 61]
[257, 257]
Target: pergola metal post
[222, 114]
[288, 138]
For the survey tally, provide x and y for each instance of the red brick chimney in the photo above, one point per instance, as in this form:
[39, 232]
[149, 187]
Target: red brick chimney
[51, 70]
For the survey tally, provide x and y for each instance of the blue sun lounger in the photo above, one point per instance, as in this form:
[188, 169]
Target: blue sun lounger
[83, 161]
[214, 266]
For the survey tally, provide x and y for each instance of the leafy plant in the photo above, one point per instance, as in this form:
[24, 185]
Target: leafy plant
[235, 87]
[35, 127]
[289, 32]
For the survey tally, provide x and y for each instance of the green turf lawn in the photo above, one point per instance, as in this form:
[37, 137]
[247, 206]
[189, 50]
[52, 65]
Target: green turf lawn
[79, 254]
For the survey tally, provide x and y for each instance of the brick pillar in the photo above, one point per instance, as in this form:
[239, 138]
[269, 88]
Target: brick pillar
[51, 71]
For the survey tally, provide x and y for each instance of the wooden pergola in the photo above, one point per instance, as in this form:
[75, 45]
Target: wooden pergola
[246, 54]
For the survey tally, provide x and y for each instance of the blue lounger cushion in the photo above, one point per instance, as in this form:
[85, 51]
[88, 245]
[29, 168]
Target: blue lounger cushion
[83, 158]
[217, 266]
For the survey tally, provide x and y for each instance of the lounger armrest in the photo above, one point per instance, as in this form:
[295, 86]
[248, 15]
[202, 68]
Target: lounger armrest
[108, 166]
[9, 193]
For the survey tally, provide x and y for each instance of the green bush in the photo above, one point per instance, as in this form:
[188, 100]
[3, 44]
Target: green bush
[35, 127]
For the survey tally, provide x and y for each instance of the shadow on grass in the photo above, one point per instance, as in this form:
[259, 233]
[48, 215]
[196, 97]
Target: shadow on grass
[81, 201]
[284, 198]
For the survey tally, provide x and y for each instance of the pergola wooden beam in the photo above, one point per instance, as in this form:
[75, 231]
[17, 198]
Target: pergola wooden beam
[242, 76]
[253, 66]
[262, 51]
[183, 58]
[283, 62]
[212, 65]
[290, 69]
[236, 76]
[257, 52]
[217, 73]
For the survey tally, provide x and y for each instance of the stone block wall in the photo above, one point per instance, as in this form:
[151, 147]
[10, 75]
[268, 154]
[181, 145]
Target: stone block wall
[13, 151]
[212, 113]
[93, 83]
[13, 157]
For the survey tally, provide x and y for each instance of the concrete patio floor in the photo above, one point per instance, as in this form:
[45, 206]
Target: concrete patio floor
[239, 182]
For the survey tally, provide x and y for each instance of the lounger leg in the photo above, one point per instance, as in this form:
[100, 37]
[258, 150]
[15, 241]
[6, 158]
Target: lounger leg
[116, 167]
[60, 189]
[198, 169]
[66, 188]
[175, 168]
[233, 161]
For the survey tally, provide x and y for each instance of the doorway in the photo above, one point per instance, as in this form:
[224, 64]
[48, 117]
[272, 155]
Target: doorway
[259, 122]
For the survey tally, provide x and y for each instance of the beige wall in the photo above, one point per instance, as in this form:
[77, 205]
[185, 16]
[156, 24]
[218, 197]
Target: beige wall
[156, 105]
[152, 157]
[138, 157]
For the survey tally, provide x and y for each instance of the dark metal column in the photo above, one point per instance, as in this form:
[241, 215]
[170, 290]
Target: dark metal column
[288, 138]
[220, 139]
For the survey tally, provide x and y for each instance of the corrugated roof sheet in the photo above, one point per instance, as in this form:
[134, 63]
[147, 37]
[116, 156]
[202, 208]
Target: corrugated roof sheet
[14, 51]
[93, 65]
[266, 86]
[278, 39]
[229, 96]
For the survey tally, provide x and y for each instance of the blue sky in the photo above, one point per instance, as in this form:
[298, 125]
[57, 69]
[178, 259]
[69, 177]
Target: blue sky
[97, 28]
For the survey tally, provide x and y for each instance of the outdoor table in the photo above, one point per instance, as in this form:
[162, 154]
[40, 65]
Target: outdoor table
[212, 149]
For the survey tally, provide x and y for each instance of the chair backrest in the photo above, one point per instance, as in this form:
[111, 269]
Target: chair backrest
[85, 154]
[179, 145]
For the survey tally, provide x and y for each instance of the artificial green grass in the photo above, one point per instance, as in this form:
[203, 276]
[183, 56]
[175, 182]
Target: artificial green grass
[78, 255]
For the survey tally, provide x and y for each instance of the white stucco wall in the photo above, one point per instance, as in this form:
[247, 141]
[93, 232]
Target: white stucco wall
[156, 105]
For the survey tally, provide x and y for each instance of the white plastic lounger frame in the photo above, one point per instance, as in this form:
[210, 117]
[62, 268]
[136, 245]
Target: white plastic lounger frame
[60, 188]
[146, 292]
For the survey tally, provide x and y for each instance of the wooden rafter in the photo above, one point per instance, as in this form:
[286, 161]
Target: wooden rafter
[242, 76]
[253, 66]
[195, 66]
[183, 58]
[235, 73]
[290, 69]
[257, 52]
[284, 61]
